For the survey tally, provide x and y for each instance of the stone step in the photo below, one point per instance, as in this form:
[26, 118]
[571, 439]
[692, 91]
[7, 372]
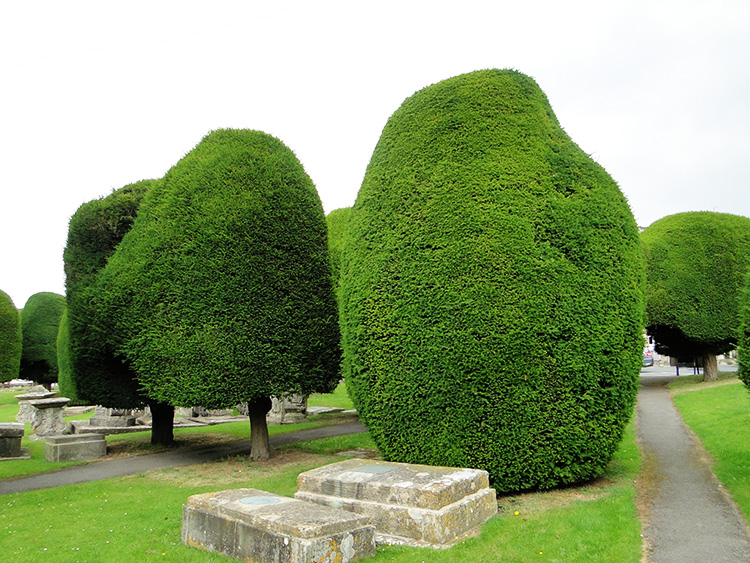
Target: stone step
[254, 525]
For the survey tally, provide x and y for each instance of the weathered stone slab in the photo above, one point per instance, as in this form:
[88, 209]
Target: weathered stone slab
[10, 439]
[74, 447]
[410, 504]
[253, 525]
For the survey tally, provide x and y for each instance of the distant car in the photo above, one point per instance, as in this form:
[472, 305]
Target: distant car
[648, 358]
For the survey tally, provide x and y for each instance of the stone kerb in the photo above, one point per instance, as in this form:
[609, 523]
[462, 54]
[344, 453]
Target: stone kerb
[10, 441]
[409, 504]
[75, 447]
[254, 525]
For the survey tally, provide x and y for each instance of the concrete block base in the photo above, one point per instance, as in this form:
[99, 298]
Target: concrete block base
[416, 505]
[75, 447]
[253, 525]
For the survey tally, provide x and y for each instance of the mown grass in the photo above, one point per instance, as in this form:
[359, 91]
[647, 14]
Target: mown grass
[139, 443]
[719, 414]
[139, 517]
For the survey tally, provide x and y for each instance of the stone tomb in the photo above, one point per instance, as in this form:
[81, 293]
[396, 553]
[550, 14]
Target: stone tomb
[74, 447]
[10, 441]
[416, 505]
[253, 525]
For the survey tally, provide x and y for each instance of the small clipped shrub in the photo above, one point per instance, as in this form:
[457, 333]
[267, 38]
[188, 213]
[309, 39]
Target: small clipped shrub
[40, 322]
[91, 369]
[696, 267]
[491, 292]
[337, 221]
[222, 291]
[10, 339]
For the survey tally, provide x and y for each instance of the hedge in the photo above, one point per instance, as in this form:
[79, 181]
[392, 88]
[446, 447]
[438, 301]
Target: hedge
[40, 321]
[10, 339]
[491, 289]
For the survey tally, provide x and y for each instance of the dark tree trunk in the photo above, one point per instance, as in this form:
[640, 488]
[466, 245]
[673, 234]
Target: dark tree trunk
[710, 367]
[162, 423]
[257, 411]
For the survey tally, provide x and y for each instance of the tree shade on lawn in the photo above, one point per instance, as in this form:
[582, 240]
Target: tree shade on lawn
[491, 289]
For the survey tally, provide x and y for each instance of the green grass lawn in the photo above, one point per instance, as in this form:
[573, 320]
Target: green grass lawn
[139, 517]
[719, 413]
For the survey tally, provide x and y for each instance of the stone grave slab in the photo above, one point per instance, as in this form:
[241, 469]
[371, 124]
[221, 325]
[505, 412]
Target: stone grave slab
[10, 441]
[416, 505]
[257, 526]
[74, 447]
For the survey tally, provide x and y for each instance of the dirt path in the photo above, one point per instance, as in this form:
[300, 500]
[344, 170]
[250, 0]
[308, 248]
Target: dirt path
[687, 516]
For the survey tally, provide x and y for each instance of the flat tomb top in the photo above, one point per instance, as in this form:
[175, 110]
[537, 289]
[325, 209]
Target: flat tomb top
[282, 515]
[404, 484]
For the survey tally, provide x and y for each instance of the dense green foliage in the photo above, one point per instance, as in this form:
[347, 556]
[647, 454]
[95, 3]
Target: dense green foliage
[10, 339]
[91, 369]
[221, 292]
[491, 289]
[65, 385]
[337, 221]
[40, 321]
[743, 343]
[696, 265]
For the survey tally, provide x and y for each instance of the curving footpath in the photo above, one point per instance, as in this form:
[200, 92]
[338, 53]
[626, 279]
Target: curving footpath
[188, 456]
[689, 518]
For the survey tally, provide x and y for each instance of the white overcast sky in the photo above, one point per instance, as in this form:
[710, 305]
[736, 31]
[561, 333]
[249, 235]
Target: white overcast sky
[98, 94]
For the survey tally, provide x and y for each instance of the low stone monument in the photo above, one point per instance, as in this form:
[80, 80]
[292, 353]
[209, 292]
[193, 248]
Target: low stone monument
[253, 525]
[25, 410]
[416, 505]
[290, 410]
[112, 418]
[10, 441]
[47, 417]
[75, 447]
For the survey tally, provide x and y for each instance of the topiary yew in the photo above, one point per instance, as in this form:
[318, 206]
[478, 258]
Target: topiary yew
[743, 348]
[222, 290]
[90, 368]
[40, 321]
[491, 289]
[10, 339]
[337, 221]
[696, 265]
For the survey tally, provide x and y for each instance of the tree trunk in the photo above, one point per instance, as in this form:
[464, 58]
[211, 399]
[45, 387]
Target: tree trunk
[257, 411]
[162, 423]
[710, 368]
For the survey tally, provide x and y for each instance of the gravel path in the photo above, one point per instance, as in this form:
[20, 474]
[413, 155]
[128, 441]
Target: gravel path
[690, 519]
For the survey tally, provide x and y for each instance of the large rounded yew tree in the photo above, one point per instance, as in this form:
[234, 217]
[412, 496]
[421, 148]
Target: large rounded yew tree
[491, 289]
